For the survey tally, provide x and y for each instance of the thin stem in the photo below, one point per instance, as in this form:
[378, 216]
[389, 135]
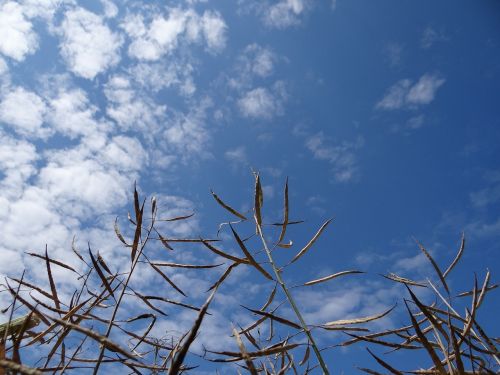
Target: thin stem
[125, 285]
[303, 324]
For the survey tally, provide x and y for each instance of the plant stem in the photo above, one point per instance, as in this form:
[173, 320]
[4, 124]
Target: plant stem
[303, 324]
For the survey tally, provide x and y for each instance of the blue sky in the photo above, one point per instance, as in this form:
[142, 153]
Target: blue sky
[384, 115]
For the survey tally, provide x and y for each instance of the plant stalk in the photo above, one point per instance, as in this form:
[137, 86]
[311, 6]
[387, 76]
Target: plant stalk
[303, 324]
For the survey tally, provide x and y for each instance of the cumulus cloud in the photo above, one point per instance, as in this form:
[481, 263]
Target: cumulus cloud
[164, 34]
[72, 115]
[405, 94]
[214, 30]
[17, 38]
[128, 108]
[92, 177]
[258, 60]
[43, 8]
[257, 103]
[87, 45]
[110, 9]
[159, 75]
[24, 111]
[17, 158]
[263, 103]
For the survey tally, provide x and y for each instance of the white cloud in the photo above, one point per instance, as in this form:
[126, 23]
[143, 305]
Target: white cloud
[71, 114]
[412, 124]
[341, 157]
[163, 35]
[396, 95]
[31, 222]
[43, 8]
[156, 76]
[258, 103]
[186, 135]
[237, 155]
[357, 300]
[17, 38]
[87, 45]
[124, 153]
[405, 95]
[430, 36]
[214, 30]
[24, 111]
[424, 90]
[285, 13]
[255, 62]
[483, 229]
[262, 103]
[128, 108]
[17, 158]
[258, 60]
[110, 9]
[93, 177]
[4, 68]
[486, 196]
[415, 122]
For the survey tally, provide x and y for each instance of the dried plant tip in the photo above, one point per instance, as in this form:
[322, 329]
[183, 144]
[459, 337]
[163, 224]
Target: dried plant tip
[244, 354]
[428, 347]
[434, 264]
[311, 242]
[330, 277]
[223, 254]
[119, 234]
[384, 364]
[285, 213]
[457, 257]
[359, 320]
[101, 275]
[177, 218]
[249, 256]
[276, 318]
[178, 359]
[227, 207]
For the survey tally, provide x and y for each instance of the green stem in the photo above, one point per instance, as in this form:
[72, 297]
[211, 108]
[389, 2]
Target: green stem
[303, 324]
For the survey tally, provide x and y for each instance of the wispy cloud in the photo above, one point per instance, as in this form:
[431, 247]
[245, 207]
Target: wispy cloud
[285, 13]
[237, 155]
[341, 156]
[279, 14]
[431, 36]
[409, 95]
[393, 52]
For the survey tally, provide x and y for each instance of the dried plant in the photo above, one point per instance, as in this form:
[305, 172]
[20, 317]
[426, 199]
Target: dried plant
[454, 343]
[91, 329]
